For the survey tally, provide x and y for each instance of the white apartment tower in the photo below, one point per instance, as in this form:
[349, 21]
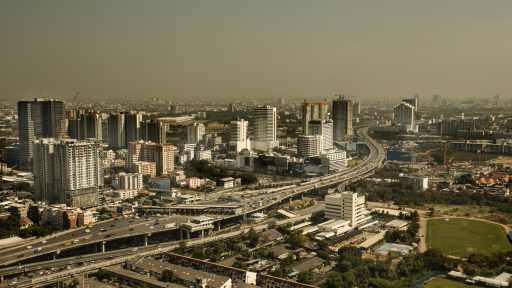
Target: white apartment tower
[265, 121]
[238, 137]
[404, 116]
[71, 169]
[309, 145]
[195, 133]
[323, 128]
[347, 206]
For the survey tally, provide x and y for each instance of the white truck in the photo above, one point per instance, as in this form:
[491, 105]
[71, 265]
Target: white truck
[170, 225]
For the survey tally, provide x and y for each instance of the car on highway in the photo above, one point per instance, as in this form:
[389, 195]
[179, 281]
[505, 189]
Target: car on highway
[146, 224]
[44, 241]
[57, 236]
[21, 255]
[113, 225]
[130, 229]
[95, 235]
[67, 244]
[135, 249]
[86, 238]
[151, 227]
[76, 241]
[19, 267]
[159, 246]
[78, 257]
[13, 283]
[74, 234]
[103, 230]
[87, 231]
[29, 247]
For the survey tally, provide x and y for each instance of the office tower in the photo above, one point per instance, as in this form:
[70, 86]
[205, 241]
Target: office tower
[154, 131]
[38, 119]
[26, 130]
[323, 128]
[342, 118]
[312, 111]
[347, 205]
[280, 101]
[496, 97]
[309, 145]
[174, 109]
[68, 171]
[238, 135]
[133, 127]
[88, 126]
[232, 107]
[195, 133]
[404, 116]
[141, 153]
[356, 109]
[265, 121]
[436, 98]
[116, 131]
[413, 102]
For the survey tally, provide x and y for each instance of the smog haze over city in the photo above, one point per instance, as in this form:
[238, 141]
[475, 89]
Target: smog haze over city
[254, 49]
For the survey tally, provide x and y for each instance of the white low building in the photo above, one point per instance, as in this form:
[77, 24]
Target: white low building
[420, 182]
[348, 206]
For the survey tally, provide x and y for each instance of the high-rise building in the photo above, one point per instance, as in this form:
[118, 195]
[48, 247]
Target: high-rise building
[496, 97]
[280, 101]
[162, 155]
[313, 111]
[356, 109]
[26, 130]
[195, 133]
[417, 96]
[116, 131]
[323, 128]
[413, 102]
[347, 206]
[238, 135]
[41, 118]
[88, 126]
[404, 114]
[342, 118]
[133, 127]
[265, 129]
[68, 171]
[154, 131]
[232, 107]
[436, 98]
[451, 126]
[309, 145]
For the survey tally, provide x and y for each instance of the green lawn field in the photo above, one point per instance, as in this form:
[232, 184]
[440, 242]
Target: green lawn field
[461, 237]
[443, 283]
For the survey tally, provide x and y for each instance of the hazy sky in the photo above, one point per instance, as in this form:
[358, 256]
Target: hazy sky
[255, 49]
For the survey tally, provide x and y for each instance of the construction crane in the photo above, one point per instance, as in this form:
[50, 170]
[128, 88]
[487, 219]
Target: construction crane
[343, 96]
[451, 163]
[480, 154]
[446, 150]
[68, 118]
[428, 152]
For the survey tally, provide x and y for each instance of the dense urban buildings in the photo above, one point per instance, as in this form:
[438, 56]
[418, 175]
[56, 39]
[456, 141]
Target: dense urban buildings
[87, 127]
[404, 117]
[150, 158]
[323, 128]
[195, 133]
[238, 135]
[309, 145]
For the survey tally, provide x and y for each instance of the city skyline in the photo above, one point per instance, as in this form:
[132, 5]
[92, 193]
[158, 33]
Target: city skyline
[177, 50]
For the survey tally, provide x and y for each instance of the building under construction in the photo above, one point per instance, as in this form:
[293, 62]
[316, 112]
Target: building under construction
[313, 111]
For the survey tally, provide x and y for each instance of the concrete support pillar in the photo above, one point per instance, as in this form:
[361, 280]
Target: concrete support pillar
[95, 247]
[181, 233]
[218, 224]
[145, 240]
[54, 256]
[202, 233]
[103, 247]
[1, 279]
[290, 200]
[302, 196]
[188, 234]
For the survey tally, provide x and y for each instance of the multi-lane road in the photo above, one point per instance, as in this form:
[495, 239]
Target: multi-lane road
[128, 227]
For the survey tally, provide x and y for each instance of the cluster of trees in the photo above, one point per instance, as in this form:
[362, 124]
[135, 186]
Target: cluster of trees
[355, 271]
[305, 277]
[405, 236]
[287, 261]
[240, 265]
[11, 226]
[169, 276]
[203, 169]
[390, 171]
